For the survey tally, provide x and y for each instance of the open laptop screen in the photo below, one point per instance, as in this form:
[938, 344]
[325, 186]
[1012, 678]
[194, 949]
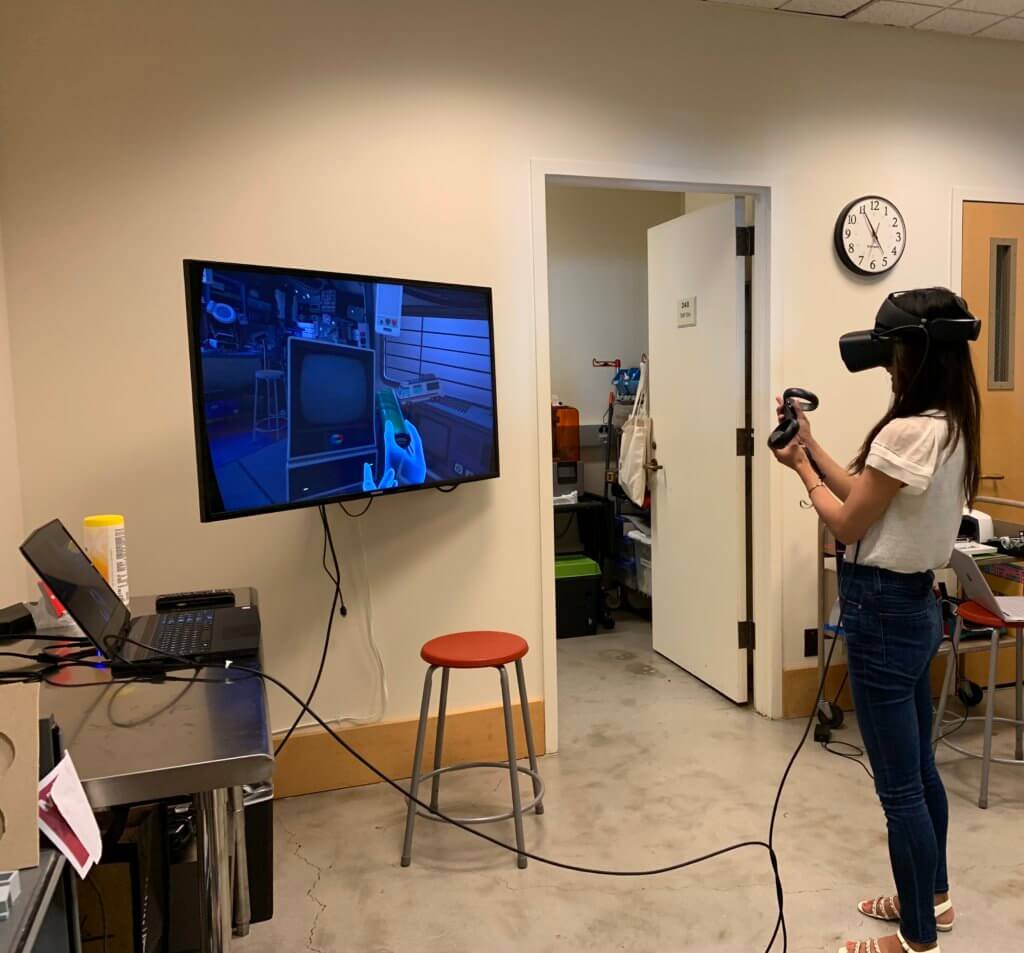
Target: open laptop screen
[66, 569]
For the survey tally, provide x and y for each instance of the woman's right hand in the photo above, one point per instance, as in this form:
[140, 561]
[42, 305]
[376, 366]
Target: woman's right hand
[805, 426]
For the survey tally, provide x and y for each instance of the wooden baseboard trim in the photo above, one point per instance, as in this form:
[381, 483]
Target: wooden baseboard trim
[314, 762]
[800, 685]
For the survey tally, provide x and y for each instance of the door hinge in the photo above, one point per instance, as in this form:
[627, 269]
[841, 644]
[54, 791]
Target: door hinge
[747, 635]
[744, 442]
[744, 241]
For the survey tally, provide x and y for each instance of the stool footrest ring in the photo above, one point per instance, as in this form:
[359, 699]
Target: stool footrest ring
[973, 754]
[507, 815]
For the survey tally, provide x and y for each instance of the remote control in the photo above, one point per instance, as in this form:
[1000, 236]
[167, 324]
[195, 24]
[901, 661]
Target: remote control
[201, 598]
[391, 412]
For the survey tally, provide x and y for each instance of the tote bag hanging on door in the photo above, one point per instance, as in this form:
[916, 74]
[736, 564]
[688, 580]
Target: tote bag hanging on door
[635, 449]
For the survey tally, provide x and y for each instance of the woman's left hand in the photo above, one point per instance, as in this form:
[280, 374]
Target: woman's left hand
[791, 455]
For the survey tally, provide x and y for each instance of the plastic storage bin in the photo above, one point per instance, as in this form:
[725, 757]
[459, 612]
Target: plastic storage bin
[577, 596]
[642, 553]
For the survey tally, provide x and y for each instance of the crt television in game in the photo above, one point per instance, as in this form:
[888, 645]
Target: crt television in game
[310, 386]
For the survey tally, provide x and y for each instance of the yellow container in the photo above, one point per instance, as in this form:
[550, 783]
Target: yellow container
[105, 545]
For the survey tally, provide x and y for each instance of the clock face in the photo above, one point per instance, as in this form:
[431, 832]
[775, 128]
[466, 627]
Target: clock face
[870, 235]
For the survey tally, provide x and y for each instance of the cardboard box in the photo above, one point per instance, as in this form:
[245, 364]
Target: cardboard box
[19, 776]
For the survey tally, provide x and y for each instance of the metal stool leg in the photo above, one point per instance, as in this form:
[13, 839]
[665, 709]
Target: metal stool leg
[990, 705]
[513, 772]
[255, 405]
[1019, 751]
[442, 708]
[524, 705]
[414, 783]
[940, 711]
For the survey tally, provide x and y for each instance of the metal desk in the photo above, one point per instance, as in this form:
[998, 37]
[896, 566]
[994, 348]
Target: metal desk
[136, 742]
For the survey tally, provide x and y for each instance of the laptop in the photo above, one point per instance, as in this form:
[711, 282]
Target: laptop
[198, 635]
[977, 589]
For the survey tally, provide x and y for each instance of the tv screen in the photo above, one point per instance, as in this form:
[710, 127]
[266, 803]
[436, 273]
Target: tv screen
[310, 387]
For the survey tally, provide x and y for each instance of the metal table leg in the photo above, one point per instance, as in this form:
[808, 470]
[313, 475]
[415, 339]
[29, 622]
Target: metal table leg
[215, 870]
[240, 865]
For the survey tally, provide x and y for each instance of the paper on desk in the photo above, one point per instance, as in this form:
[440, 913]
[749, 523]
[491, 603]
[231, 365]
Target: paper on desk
[66, 817]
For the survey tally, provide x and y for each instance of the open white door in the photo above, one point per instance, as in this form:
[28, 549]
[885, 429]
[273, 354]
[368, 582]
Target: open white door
[696, 318]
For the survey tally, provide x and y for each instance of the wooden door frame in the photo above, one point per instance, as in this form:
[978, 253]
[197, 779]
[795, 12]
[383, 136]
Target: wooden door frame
[767, 380]
[961, 196]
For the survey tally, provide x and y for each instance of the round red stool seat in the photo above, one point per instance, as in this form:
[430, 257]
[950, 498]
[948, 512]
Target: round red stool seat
[977, 614]
[474, 650]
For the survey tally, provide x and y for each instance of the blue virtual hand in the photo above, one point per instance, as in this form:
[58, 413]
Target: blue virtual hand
[409, 463]
[403, 466]
[387, 481]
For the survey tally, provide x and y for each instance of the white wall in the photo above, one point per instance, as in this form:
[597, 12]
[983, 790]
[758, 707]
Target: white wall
[12, 567]
[397, 138]
[597, 286]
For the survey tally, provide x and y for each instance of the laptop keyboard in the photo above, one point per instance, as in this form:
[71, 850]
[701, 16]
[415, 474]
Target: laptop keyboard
[185, 633]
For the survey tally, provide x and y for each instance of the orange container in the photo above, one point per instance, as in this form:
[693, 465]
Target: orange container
[565, 434]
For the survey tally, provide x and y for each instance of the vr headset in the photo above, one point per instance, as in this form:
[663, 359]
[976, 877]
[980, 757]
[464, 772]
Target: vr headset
[861, 350]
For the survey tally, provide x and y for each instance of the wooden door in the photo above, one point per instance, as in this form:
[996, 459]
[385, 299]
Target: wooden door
[697, 405]
[993, 285]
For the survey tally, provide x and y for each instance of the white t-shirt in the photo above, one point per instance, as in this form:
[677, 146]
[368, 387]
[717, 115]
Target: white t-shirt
[917, 532]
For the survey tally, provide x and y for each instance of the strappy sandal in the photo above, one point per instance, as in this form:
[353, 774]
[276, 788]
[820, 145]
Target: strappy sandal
[871, 946]
[884, 908]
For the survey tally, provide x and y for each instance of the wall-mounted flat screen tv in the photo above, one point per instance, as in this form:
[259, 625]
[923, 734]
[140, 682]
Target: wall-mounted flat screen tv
[310, 387]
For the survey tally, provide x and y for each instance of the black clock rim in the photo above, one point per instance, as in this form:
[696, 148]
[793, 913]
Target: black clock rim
[840, 248]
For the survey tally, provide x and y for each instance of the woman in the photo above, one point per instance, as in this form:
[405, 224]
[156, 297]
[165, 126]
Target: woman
[898, 509]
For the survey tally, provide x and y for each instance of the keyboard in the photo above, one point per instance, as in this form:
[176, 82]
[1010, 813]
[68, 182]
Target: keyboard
[184, 633]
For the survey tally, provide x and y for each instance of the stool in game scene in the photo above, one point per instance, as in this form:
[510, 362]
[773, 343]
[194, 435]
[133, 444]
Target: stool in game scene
[474, 650]
[270, 418]
[977, 615]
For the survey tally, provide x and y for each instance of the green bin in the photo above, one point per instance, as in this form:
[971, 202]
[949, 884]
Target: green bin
[577, 596]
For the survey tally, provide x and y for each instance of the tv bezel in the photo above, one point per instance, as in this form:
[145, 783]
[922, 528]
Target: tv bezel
[193, 270]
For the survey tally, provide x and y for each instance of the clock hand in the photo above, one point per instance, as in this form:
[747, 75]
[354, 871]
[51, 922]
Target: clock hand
[874, 232]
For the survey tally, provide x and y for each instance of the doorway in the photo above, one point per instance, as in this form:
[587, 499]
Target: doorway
[721, 401]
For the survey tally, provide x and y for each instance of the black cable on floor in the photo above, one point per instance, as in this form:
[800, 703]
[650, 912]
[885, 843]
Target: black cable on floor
[857, 757]
[231, 666]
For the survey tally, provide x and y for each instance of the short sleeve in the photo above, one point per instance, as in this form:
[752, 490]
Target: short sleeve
[907, 449]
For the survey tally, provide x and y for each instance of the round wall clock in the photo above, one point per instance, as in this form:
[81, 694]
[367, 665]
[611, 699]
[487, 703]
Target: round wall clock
[870, 235]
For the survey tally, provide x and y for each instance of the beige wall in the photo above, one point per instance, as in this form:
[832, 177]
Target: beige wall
[597, 286]
[12, 567]
[397, 138]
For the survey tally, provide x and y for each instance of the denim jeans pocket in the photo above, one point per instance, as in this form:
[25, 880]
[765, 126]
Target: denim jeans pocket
[911, 638]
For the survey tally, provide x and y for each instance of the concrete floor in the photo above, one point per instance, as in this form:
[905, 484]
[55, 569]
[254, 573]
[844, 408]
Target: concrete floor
[654, 768]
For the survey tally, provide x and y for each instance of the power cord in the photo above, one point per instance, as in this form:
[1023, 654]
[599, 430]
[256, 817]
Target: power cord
[362, 512]
[305, 708]
[337, 597]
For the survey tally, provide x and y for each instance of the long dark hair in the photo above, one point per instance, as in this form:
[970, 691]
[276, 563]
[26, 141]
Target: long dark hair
[934, 375]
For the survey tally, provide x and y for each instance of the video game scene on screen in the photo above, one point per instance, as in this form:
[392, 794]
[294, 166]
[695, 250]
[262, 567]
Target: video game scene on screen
[324, 387]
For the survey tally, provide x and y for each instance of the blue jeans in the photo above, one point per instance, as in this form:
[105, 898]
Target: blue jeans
[893, 628]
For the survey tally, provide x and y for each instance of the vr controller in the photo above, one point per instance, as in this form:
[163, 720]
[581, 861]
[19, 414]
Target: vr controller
[789, 426]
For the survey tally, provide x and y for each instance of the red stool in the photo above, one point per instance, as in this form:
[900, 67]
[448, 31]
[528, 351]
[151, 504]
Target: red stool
[977, 615]
[474, 650]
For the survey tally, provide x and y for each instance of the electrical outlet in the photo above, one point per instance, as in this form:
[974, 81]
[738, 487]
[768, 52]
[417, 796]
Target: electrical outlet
[810, 643]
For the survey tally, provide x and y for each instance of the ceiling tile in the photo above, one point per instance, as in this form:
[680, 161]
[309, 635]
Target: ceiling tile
[1006, 8]
[827, 8]
[1007, 30]
[893, 13]
[959, 21]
